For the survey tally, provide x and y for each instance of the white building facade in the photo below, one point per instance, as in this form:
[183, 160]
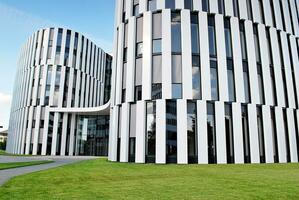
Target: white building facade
[205, 81]
[61, 96]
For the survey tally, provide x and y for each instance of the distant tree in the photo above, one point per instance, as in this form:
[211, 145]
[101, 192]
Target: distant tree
[3, 145]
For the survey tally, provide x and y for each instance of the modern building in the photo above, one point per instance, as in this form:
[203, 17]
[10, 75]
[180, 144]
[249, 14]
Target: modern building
[61, 96]
[192, 81]
[205, 81]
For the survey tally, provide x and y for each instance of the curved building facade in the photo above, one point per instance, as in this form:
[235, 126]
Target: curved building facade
[205, 81]
[61, 96]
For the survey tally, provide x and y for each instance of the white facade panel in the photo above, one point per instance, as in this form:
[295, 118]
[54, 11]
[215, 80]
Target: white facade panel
[204, 61]
[140, 131]
[292, 135]
[166, 55]
[268, 135]
[280, 135]
[182, 140]
[161, 132]
[221, 58]
[253, 134]
[238, 133]
[124, 142]
[202, 132]
[186, 55]
[220, 133]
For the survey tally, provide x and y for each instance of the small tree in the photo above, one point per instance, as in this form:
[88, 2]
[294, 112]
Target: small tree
[3, 145]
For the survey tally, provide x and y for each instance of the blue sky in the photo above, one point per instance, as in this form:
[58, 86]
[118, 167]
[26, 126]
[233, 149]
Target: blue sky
[20, 18]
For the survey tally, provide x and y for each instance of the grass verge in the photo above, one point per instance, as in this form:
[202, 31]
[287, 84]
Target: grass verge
[100, 179]
[3, 153]
[22, 164]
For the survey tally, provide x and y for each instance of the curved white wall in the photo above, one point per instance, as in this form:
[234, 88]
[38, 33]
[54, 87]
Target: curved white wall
[263, 117]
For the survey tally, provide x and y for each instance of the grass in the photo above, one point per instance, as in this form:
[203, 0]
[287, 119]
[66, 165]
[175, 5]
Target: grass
[3, 153]
[100, 179]
[22, 164]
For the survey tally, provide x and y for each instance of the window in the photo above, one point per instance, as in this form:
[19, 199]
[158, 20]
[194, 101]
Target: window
[138, 79]
[243, 41]
[221, 8]
[150, 132]
[230, 80]
[188, 4]
[260, 83]
[261, 11]
[136, 8]
[236, 8]
[67, 48]
[125, 56]
[170, 4]
[211, 131]
[214, 80]
[156, 91]
[157, 69]
[58, 46]
[192, 132]
[194, 34]
[177, 75]
[274, 136]
[212, 36]
[261, 134]
[249, 9]
[196, 78]
[152, 5]
[157, 26]
[229, 134]
[228, 42]
[176, 90]
[245, 128]
[138, 72]
[171, 131]
[139, 49]
[157, 46]
[205, 5]
[176, 32]
[286, 132]
[50, 45]
[246, 82]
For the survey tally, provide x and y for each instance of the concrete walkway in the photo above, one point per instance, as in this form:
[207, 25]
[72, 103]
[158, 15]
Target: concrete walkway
[7, 174]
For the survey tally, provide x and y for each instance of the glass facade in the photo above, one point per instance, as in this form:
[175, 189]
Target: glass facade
[171, 131]
[92, 135]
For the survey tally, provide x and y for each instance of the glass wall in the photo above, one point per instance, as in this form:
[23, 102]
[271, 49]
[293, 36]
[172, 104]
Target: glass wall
[212, 154]
[132, 134]
[261, 134]
[196, 76]
[274, 136]
[171, 131]
[92, 135]
[157, 57]
[192, 132]
[176, 55]
[150, 132]
[229, 133]
[246, 139]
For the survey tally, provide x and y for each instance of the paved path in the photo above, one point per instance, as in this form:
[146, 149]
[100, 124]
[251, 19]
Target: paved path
[7, 174]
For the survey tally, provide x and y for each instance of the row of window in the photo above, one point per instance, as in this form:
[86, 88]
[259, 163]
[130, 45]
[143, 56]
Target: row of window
[192, 133]
[90, 64]
[196, 69]
[285, 10]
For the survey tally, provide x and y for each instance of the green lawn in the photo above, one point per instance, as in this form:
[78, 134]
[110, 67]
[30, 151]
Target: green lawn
[3, 153]
[22, 164]
[100, 179]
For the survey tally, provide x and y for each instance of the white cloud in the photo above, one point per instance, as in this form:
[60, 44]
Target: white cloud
[5, 103]
[5, 99]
